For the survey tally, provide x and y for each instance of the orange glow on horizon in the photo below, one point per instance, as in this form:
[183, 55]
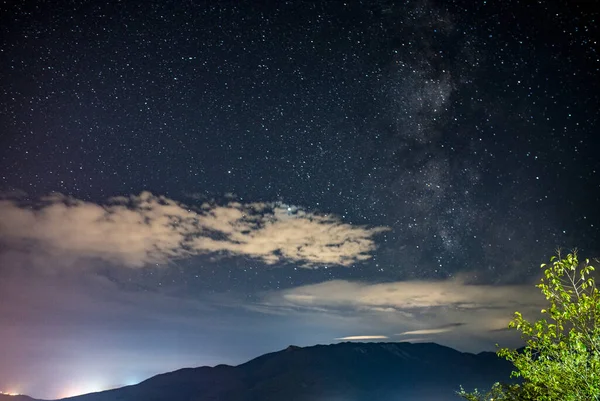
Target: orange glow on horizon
[9, 393]
[75, 390]
[72, 392]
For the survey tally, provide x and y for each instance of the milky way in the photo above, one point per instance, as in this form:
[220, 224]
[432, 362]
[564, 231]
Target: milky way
[232, 154]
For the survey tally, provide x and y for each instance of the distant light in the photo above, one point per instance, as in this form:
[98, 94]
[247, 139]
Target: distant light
[9, 393]
[73, 391]
[132, 382]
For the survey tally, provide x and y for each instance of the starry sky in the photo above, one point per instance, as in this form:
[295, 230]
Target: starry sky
[188, 183]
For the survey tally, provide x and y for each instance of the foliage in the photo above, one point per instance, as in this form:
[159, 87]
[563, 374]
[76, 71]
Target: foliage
[498, 392]
[561, 359]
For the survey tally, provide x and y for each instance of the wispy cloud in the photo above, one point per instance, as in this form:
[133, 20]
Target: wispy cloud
[145, 228]
[408, 295]
[359, 338]
[425, 332]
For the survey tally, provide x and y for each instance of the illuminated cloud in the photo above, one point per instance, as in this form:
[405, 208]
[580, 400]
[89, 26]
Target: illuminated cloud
[143, 229]
[414, 340]
[457, 313]
[424, 332]
[359, 338]
[407, 295]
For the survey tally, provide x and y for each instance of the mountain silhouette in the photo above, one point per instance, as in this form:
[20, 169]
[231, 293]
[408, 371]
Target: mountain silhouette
[6, 397]
[338, 372]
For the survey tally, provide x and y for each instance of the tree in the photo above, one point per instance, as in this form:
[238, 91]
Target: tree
[561, 358]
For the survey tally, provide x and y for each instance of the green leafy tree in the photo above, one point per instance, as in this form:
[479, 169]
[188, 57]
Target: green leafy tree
[561, 358]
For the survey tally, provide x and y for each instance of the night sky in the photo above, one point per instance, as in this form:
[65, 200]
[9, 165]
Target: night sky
[188, 183]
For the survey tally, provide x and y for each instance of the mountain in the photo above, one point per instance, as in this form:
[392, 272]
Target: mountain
[6, 397]
[338, 372]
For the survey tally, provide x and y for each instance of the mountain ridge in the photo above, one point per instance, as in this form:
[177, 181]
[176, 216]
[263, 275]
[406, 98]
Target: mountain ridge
[346, 371]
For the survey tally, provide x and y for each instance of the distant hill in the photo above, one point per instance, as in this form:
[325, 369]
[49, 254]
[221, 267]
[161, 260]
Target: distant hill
[339, 372]
[6, 397]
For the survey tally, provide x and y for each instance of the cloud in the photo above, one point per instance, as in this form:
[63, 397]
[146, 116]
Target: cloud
[144, 229]
[359, 338]
[408, 295]
[415, 340]
[424, 332]
[462, 315]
